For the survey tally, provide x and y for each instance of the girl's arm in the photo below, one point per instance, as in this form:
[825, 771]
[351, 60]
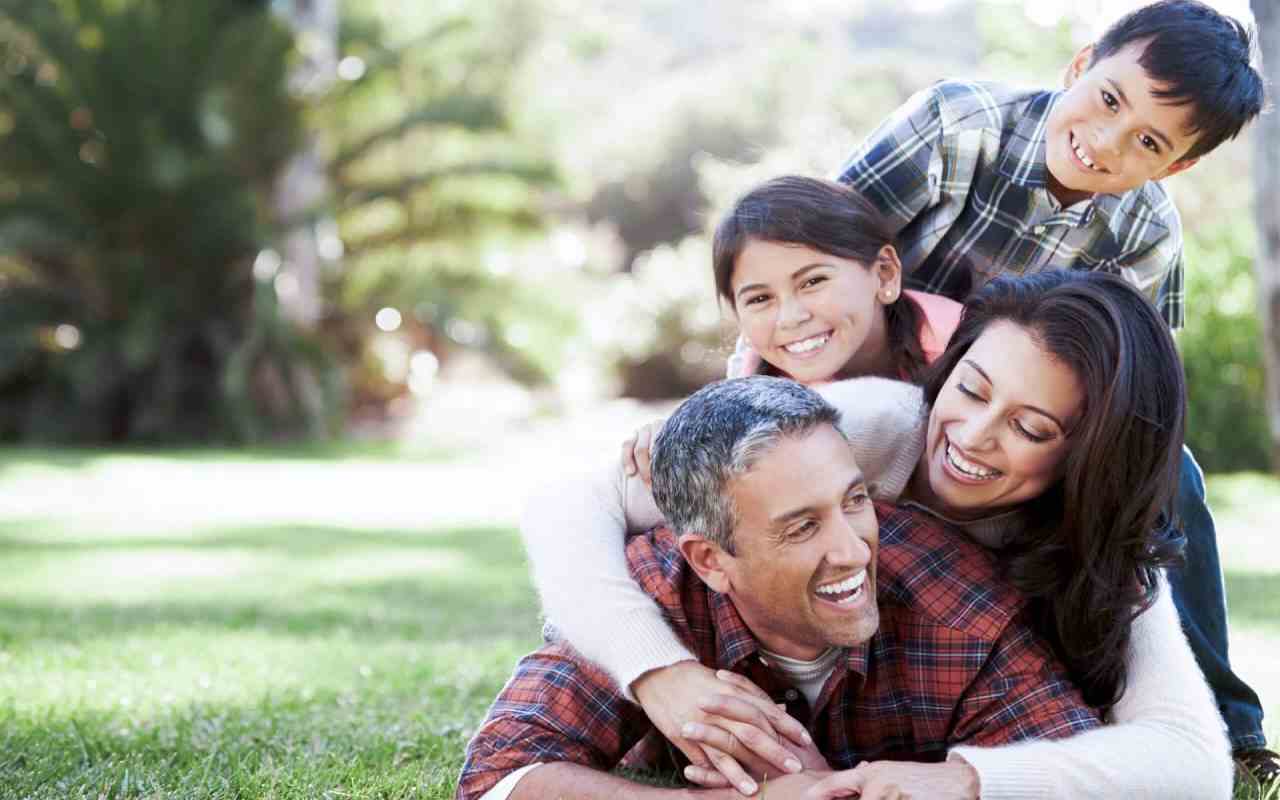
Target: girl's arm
[1166, 738]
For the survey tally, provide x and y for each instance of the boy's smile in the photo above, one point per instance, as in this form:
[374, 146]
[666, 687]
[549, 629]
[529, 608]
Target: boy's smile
[1109, 132]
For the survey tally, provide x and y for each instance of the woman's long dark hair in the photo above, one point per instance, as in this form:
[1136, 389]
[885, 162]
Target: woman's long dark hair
[829, 217]
[1089, 559]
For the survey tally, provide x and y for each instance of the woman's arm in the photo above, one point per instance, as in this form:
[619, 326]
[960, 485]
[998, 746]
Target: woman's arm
[574, 530]
[1165, 740]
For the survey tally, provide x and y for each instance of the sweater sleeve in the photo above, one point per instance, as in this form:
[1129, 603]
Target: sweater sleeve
[1166, 739]
[574, 530]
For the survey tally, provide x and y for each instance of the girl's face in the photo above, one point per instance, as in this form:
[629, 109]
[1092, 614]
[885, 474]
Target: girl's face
[814, 315]
[998, 432]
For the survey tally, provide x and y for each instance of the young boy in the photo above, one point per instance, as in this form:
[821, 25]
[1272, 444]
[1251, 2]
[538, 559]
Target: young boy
[982, 178]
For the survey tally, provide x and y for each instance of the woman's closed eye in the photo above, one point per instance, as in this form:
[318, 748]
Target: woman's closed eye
[1031, 433]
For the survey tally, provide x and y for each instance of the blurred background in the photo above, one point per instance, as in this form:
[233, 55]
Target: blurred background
[298, 298]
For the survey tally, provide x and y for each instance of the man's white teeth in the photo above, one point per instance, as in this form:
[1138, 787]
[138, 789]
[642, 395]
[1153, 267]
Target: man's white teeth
[968, 467]
[807, 345]
[847, 585]
[1088, 162]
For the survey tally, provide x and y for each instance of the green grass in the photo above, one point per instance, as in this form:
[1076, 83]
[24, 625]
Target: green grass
[308, 624]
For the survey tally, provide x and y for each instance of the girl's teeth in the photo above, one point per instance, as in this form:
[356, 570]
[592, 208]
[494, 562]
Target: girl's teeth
[806, 345]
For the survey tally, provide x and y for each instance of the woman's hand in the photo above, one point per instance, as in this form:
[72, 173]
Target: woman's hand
[743, 362]
[728, 728]
[637, 451]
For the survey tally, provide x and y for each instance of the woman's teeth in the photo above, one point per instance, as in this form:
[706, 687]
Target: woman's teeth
[807, 345]
[845, 591]
[969, 468]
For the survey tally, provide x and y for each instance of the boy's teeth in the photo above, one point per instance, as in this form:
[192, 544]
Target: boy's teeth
[1083, 158]
[968, 467]
[805, 345]
[846, 585]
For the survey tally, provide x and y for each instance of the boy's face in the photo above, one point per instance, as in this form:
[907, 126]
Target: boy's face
[1108, 133]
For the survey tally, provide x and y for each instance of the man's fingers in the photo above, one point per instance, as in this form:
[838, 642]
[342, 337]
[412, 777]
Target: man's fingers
[706, 778]
[848, 783]
[731, 769]
[760, 748]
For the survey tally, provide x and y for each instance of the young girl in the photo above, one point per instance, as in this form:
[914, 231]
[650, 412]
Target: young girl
[1079, 533]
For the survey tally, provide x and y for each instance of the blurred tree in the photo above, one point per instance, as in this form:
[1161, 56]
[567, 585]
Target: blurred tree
[139, 141]
[1266, 137]
[431, 187]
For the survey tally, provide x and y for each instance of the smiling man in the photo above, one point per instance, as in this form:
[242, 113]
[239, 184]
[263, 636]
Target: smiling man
[883, 634]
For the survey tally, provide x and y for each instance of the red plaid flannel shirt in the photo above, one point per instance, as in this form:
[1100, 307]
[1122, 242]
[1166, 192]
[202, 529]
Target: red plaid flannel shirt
[952, 662]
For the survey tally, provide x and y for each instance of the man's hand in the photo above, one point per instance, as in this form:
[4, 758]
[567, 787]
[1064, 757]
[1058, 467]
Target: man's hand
[900, 780]
[728, 728]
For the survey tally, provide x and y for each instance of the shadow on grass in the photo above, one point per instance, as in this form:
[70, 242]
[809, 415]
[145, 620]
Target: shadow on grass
[1254, 598]
[331, 451]
[486, 594]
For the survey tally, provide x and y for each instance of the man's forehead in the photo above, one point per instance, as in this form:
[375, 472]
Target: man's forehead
[797, 472]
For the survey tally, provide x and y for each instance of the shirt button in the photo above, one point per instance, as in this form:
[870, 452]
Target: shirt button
[791, 694]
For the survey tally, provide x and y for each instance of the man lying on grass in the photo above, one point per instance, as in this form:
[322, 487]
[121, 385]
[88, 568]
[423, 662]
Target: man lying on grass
[884, 636]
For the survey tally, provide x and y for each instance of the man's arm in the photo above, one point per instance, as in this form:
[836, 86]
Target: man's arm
[557, 707]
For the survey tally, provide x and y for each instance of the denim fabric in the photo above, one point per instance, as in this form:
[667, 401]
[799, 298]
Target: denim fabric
[1201, 599]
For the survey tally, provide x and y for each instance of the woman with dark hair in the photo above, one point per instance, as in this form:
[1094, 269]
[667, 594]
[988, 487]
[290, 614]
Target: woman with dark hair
[1050, 429]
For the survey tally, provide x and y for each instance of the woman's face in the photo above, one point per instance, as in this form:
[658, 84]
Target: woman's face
[998, 432]
[810, 314]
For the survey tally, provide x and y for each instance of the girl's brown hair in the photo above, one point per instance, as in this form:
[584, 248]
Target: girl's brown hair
[826, 216]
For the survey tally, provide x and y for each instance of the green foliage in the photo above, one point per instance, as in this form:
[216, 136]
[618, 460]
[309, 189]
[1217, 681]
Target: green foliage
[1222, 351]
[431, 179]
[138, 147]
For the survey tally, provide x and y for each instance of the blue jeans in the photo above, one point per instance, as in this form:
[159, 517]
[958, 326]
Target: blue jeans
[1201, 598]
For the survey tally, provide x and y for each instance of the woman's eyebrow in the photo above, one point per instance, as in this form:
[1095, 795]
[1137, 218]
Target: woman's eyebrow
[1027, 406]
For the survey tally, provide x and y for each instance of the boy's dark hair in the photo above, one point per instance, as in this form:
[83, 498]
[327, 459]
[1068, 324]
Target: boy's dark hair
[1204, 59]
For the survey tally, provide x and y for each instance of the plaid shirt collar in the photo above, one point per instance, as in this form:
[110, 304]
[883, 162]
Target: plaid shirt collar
[1023, 162]
[735, 643]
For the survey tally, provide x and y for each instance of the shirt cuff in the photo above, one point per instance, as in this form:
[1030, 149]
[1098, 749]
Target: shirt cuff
[504, 787]
[1005, 773]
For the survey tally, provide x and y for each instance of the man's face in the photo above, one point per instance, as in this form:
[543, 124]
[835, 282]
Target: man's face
[804, 576]
[1109, 133]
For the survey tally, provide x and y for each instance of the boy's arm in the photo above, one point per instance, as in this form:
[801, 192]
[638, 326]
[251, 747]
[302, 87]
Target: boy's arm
[1158, 273]
[899, 166]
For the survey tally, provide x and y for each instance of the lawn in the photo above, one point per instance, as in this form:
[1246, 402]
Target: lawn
[325, 623]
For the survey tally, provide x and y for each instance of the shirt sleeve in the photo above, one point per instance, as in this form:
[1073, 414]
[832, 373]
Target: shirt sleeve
[899, 166]
[1165, 738]
[1158, 272]
[1022, 692]
[574, 530]
[556, 708]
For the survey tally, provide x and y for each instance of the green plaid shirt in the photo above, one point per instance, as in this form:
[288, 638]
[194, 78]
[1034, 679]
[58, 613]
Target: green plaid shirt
[959, 171]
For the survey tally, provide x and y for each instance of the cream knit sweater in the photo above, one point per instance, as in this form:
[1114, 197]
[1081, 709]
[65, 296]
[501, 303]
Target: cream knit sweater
[1165, 738]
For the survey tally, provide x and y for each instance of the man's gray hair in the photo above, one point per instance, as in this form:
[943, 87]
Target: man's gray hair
[719, 433]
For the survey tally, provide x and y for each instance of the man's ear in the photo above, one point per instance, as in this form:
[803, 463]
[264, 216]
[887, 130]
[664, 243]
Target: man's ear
[1077, 66]
[1176, 167]
[888, 271]
[708, 560]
